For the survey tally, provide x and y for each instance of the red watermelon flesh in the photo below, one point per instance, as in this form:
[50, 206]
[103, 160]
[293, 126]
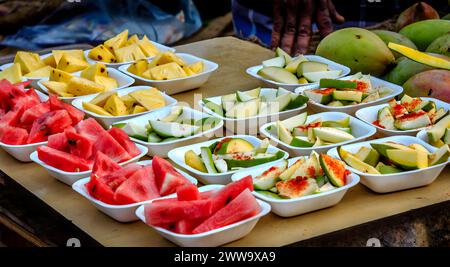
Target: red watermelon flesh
[62, 160]
[79, 145]
[109, 146]
[59, 142]
[242, 207]
[12, 118]
[90, 128]
[116, 178]
[99, 190]
[23, 85]
[13, 135]
[188, 192]
[33, 113]
[139, 187]
[186, 226]
[124, 140]
[231, 191]
[32, 93]
[50, 123]
[103, 165]
[166, 177]
[160, 213]
[76, 115]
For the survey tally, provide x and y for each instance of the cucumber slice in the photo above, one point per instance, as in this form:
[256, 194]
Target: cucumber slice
[280, 52]
[317, 76]
[333, 135]
[134, 130]
[174, 114]
[279, 61]
[154, 138]
[173, 129]
[347, 95]
[213, 107]
[278, 75]
[208, 160]
[295, 121]
[337, 84]
[310, 66]
[293, 65]
[385, 119]
[244, 109]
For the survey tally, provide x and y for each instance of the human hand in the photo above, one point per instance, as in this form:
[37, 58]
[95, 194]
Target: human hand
[293, 19]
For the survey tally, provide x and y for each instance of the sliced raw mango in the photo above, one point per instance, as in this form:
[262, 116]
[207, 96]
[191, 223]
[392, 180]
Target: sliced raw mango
[420, 57]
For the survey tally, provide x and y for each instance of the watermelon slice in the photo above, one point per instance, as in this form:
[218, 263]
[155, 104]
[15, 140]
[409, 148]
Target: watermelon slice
[160, 213]
[90, 128]
[13, 135]
[33, 113]
[32, 94]
[166, 177]
[231, 191]
[188, 192]
[76, 115]
[59, 142]
[139, 187]
[103, 165]
[62, 160]
[242, 207]
[23, 85]
[12, 118]
[116, 178]
[99, 190]
[79, 145]
[125, 141]
[186, 226]
[50, 123]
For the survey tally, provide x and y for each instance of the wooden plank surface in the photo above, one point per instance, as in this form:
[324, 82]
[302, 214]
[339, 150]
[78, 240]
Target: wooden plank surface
[360, 205]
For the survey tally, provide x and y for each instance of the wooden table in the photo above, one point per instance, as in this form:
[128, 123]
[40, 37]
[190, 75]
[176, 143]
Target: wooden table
[234, 56]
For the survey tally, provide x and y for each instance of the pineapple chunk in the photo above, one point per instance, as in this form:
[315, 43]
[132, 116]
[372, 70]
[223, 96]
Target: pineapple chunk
[100, 99]
[138, 67]
[60, 76]
[43, 72]
[96, 109]
[155, 61]
[147, 74]
[76, 53]
[107, 82]
[28, 61]
[149, 98]
[188, 71]
[128, 101]
[197, 67]
[167, 71]
[129, 53]
[97, 69]
[168, 57]
[117, 41]
[57, 88]
[71, 64]
[147, 47]
[132, 40]
[13, 74]
[101, 53]
[50, 61]
[115, 106]
[138, 109]
[81, 86]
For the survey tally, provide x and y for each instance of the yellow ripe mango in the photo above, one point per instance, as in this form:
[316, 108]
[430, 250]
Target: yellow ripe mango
[197, 67]
[76, 53]
[71, 64]
[117, 41]
[60, 76]
[93, 70]
[101, 53]
[138, 109]
[167, 71]
[50, 61]
[168, 57]
[28, 61]
[96, 109]
[80, 86]
[57, 88]
[128, 101]
[100, 99]
[129, 53]
[115, 106]
[13, 74]
[149, 98]
[138, 67]
[132, 40]
[147, 47]
[107, 82]
[43, 72]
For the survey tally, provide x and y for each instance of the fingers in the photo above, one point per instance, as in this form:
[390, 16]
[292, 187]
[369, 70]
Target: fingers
[304, 26]
[278, 22]
[335, 16]
[290, 29]
[323, 19]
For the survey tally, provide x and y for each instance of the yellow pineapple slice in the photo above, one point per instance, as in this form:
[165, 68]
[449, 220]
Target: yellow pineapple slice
[149, 98]
[60, 76]
[138, 67]
[197, 67]
[167, 71]
[28, 61]
[80, 86]
[117, 41]
[71, 64]
[168, 57]
[147, 47]
[128, 101]
[100, 99]
[132, 40]
[76, 53]
[147, 75]
[115, 106]
[50, 61]
[188, 71]
[57, 88]
[155, 61]
[107, 82]
[93, 70]
[138, 109]
[43, 72]
[101, 53]
[129, 53]
[96, 109]
[13, 74]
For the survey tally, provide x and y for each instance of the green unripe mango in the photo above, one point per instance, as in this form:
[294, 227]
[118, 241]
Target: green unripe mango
[440, 45]
[359, 49]
[446, 17]
[394, 37]
[424, 32]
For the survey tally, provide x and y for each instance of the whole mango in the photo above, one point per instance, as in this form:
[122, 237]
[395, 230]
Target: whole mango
[440, 45]
[424, 32]
[359, 49]
[432, 83]
[394, 37]
[417, 12]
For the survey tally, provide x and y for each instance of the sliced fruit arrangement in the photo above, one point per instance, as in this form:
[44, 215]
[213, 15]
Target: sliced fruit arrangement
[439, 133]
[194, 212]
[75, 148]
[306, 176]
[298, 70]
[133, 183]
[165, 66]
[230, 154]
[244, 104]
[32, 65]
[392, 157]
[354, 90]
[296, 131]
[120, 49]
[94, 79]
[25, 119]
[177, 125]
[109, 103]
[410, 113]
